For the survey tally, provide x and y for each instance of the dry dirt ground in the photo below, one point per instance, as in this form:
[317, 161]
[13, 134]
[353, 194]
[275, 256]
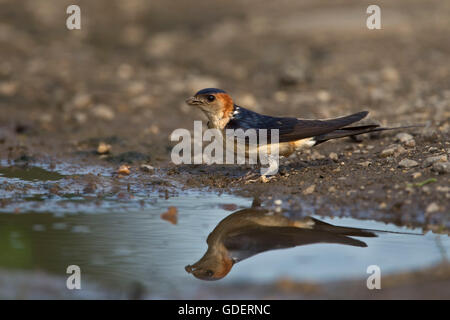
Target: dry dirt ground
[123, 78]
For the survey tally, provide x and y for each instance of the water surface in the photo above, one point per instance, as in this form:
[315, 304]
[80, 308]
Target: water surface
[119, 241]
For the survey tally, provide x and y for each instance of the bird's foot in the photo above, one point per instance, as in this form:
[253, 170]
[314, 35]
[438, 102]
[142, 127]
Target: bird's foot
[263, 179]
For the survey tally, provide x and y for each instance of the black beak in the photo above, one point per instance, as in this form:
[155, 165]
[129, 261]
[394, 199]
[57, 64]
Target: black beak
[192, 101]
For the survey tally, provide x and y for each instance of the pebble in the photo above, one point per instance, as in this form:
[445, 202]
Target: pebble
[80, 117]
[82, 100]
[408, 163]
[147, 168]
[8, 89]
[365, 164]
[278, 202]
[124, 169]
[431, 160]
[432, 207]
[392, 150]
[416, 175]
[136, 88]
[441, 167]
[442, 189]
[310, 189]
[103, 112]
[410, 143]
[103, 148]
[333, 156]
[403, 137]
[331, 189]
[433, 149]
[317, 156]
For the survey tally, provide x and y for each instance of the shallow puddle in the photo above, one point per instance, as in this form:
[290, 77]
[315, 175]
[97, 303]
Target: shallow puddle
[122, 241]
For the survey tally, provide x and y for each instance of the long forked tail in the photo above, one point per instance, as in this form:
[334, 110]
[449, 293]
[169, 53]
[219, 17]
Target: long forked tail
[353, 131]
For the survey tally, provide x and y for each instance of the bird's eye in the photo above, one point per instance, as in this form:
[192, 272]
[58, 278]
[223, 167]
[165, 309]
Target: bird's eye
[211, 98]
[209, 273]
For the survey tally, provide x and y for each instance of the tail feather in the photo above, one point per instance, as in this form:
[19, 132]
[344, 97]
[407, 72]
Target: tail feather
[356, 130]
[347, 231]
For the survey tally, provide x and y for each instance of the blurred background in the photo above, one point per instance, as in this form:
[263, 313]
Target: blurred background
[129, 69]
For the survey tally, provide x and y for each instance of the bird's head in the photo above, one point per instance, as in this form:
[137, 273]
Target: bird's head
[215, 103]
[214, 265]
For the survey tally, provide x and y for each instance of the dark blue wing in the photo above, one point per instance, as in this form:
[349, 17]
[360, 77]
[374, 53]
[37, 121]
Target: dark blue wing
[290, 129]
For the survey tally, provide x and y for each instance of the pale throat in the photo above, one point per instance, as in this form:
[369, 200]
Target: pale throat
[217, 120]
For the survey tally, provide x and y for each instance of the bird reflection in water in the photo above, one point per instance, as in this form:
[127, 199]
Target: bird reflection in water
[248, 232]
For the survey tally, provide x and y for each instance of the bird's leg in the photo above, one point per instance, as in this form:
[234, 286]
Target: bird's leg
[270, 171]
[252, 173]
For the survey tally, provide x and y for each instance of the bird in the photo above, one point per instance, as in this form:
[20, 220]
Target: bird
[295, 134]
[251, 231]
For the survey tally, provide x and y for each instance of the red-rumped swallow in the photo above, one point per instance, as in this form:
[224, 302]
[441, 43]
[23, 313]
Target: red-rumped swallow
[295, 134]
[248, 232]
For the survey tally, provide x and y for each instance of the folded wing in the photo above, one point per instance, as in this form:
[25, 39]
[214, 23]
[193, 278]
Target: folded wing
[291, 129]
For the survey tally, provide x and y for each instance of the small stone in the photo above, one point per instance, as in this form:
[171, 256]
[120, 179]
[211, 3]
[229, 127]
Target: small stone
[310, 189]
[416, 175]
[365, 164]
[403, 137]
[147, 168]
[125, 71]
[80, 117]
[426, 189]
[390, 74]
[441, 167]
[103, 112]
[81, 100]
[317, 156]
[278, 202]
[8, 89]
[124, 169]
[382, 205]
[153, 129]
[333, 156]
[442, 189]
[136, 88]
[410, 143]
[103, 148]
[392, 150]
[432, 207]
[431, 160]
[408, 163]
[433, 149]
[331, 189]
